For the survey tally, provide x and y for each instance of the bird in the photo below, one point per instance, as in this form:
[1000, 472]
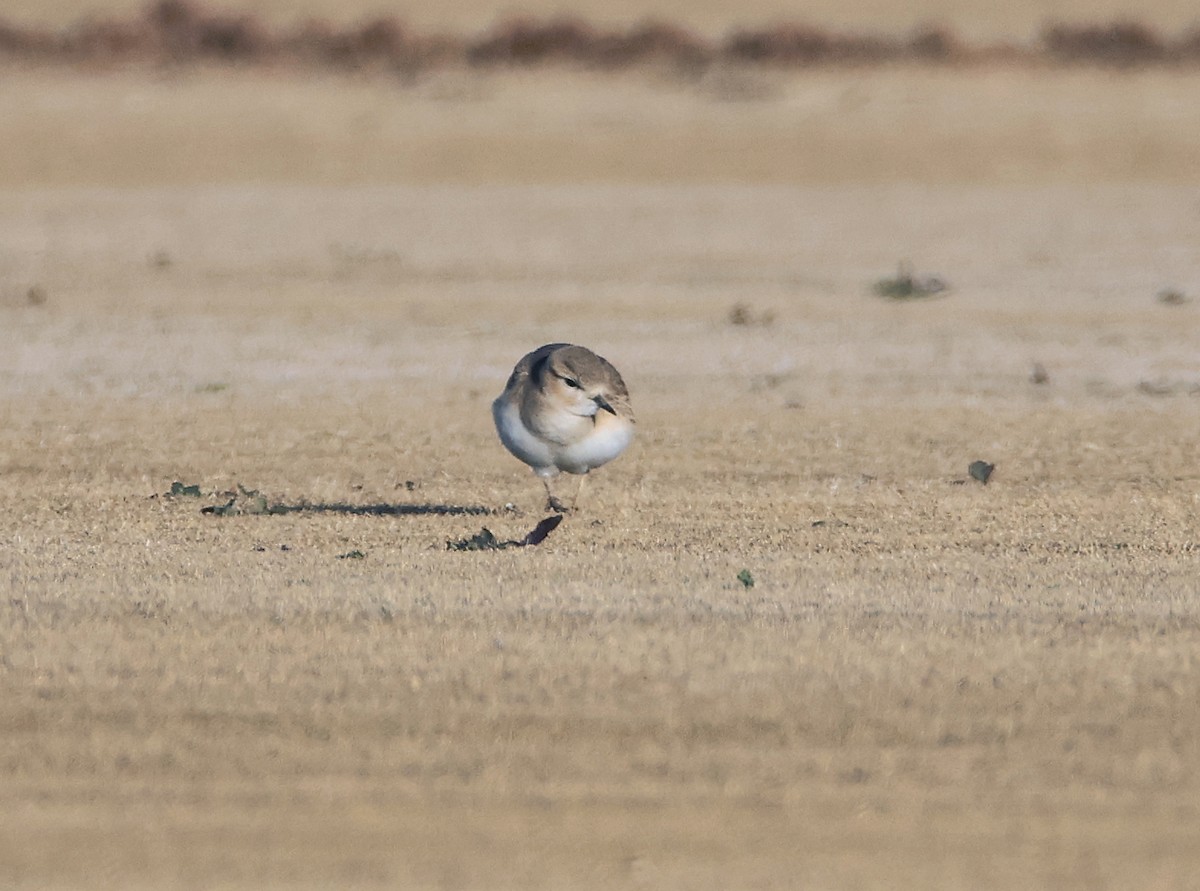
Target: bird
[564, 409]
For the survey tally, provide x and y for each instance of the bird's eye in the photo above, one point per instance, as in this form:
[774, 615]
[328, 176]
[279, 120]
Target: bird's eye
[571, 382]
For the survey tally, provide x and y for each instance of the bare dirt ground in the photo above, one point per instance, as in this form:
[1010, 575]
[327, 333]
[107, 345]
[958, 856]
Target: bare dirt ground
[314, 289]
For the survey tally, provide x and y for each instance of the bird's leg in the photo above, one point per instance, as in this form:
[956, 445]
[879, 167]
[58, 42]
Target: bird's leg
[579, 492]
[552, 503]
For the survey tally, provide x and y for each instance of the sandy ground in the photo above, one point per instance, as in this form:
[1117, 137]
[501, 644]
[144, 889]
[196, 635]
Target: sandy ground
[932, 683]
[883, 126]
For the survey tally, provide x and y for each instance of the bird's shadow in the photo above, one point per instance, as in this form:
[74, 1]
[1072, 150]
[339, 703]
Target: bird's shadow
[246, 502]
[382, 510]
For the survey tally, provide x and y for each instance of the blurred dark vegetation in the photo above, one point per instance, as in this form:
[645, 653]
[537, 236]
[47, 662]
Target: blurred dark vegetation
[183, 32]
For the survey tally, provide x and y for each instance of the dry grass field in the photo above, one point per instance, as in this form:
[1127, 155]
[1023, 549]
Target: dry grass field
[312, 287]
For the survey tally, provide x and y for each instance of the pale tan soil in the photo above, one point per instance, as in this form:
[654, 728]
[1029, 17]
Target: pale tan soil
[932, 684]
[884, 126]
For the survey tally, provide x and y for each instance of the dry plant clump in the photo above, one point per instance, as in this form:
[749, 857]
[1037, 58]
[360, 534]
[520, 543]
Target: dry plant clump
[789, 44]
[1119, 43]
[908, 285]
[1172, 297]
[743, 315]
[530, 41]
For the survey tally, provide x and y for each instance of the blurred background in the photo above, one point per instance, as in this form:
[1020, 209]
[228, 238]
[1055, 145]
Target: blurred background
[841, 251]
[124, 93]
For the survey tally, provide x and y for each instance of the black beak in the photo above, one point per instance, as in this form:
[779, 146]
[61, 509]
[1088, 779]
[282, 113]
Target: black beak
[603, 403]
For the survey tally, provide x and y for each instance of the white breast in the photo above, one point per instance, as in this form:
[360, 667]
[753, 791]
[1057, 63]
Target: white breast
[517, 438]
[606, 438]
[610, 436]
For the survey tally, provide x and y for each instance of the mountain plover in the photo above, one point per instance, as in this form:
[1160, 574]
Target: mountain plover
[564, 408]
